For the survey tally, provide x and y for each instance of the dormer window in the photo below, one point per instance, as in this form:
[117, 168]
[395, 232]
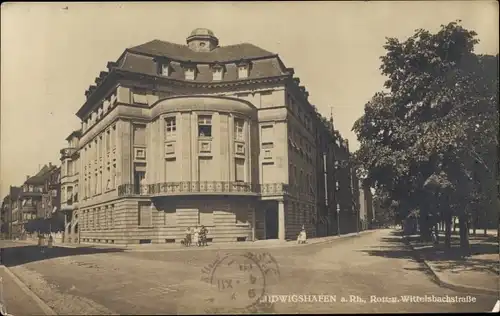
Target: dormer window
[243, 69]
[218, 71]
[165, 69]
[190, 71]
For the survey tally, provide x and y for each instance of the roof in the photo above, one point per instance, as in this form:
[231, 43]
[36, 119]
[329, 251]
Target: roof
[75, 133]
[263, 68]
[202, 32]
[42, 175]
[14, 192]
[184, 53]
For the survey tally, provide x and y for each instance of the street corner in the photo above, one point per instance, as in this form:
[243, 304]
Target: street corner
[238, 282]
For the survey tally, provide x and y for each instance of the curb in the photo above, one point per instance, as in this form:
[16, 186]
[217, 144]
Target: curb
[447, 284]
[289, 244]
[46, 309]
[275, 246]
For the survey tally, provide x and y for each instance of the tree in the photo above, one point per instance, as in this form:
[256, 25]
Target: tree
[428, 142]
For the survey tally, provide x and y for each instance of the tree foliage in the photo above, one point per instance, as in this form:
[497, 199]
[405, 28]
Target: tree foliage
[432, 135]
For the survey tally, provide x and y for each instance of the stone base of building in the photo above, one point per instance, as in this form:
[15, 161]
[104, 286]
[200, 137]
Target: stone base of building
[160, 220]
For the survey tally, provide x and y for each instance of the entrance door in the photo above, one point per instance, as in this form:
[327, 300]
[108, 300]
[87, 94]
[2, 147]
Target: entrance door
[272, 223]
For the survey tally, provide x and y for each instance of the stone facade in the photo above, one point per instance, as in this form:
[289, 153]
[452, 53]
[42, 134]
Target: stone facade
[70, 171]
[180, 136]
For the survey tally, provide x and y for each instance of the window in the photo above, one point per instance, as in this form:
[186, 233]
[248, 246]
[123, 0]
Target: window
[267, 154]
[238, 129]
[112, 136]
[205, 126]
[242, 71]
[170, 127]
[239, 170]
[190, 72]
[108, 140]
[217, 73]
[165, 69]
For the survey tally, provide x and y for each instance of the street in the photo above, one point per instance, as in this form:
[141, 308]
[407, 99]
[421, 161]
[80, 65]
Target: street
[374, 266]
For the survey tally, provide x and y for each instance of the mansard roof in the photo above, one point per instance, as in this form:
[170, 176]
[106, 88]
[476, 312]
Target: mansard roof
[180, 52]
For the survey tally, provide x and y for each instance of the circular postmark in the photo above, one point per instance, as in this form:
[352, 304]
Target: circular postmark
[238, 282]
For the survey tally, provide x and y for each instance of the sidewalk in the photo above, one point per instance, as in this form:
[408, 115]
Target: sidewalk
[260, 244]
[477, 273]
[18, 299]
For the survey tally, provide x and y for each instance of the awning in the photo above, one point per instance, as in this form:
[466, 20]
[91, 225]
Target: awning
[54, 209]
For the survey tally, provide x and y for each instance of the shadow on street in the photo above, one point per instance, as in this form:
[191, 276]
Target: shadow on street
[483, 253]
[13, 256]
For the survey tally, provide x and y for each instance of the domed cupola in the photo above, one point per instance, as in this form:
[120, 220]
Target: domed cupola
[202, 40]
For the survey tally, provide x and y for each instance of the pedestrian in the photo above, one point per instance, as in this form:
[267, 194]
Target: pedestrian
[196, 236]
[51, 241]
[41, 242]
[302, 238]
[187, 240]
[203, 235]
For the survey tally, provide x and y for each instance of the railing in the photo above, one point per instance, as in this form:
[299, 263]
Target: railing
[67, 152]
[185, 187]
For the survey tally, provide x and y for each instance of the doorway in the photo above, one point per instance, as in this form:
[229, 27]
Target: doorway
[272, 223]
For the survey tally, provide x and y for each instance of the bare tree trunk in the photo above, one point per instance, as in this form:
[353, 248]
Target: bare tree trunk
[447, 235]
[425, 228]
[464, 235]
[474, 223]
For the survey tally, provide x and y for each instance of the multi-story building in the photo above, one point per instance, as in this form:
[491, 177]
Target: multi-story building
[70, 169]
[5, 215]
[175, 136]
[38, 198]
[16, 216]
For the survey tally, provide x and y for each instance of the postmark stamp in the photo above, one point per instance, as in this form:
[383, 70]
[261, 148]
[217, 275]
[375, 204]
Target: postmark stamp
[239, 282]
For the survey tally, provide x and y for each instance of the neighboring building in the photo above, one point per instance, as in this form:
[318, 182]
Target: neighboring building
[16, 216]
[5, 215]
[176, 136]
[70, 170]
[37, 198]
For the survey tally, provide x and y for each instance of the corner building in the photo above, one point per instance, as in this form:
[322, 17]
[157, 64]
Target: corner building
[175, 136]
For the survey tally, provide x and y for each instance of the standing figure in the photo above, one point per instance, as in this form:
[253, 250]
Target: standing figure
[196, 236]
[51, 241]
[302, 238]
[203, 235]
[187, 239]
[41, 242]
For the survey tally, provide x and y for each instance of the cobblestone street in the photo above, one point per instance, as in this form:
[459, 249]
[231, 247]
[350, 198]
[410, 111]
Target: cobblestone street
[375, 264]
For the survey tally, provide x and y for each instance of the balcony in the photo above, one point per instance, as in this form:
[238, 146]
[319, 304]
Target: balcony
[30, 194]
[204, 187]
[187, 188]
[270, 189]
[67, 152]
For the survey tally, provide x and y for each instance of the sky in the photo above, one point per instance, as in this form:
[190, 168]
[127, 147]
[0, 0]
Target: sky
[52, 52]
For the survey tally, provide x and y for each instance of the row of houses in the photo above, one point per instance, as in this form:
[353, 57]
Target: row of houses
[176, 136]
[33, 205]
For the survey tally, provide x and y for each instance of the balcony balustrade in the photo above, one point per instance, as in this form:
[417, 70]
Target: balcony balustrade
[67, 152]
[187, 187]
[209, 187]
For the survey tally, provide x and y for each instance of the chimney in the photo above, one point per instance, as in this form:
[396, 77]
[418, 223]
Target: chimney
[50, 164]
[27, 177]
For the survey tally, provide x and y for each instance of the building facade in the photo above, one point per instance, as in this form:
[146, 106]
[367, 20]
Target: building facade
[176, 136]
[70, 171]
[37, 198]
